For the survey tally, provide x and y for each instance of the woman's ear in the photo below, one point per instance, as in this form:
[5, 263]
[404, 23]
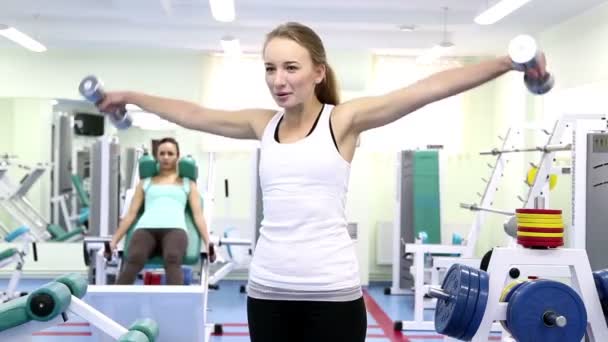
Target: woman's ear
[320, 71]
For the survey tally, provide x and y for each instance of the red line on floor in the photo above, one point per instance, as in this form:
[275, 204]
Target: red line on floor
[61, 333]
[382, 319]
[75, 324]
[234, 324]
[376, 336]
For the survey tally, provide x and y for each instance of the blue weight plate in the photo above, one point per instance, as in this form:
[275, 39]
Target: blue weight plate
[531, 301]
[512, 294]
[469, 311]
[598, 284]
[460, 323]
[480, 306]
[601, 284]
[449, 314]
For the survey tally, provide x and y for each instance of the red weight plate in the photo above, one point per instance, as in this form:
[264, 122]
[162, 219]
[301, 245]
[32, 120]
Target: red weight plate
[539, 211]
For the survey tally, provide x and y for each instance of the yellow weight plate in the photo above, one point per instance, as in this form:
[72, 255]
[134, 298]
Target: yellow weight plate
[540, 220]
[539, 216]
[531, 176]
[541, 225]
[508, 288]
[541, 235]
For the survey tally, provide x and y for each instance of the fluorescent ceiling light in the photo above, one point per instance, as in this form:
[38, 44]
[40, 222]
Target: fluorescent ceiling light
[222, 10]
[21, 38]
[407, 28]
[231, 46]
[500, 10]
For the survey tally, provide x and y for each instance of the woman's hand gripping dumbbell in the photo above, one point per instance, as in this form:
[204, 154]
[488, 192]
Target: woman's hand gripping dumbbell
[91, 89]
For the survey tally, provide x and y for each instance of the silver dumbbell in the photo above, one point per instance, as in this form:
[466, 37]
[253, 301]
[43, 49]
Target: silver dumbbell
[524, 54]
[92, 90]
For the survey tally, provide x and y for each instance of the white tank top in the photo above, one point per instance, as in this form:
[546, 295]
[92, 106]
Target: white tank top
[304, 244]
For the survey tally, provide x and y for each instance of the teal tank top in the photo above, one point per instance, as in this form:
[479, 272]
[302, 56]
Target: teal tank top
[164, 205]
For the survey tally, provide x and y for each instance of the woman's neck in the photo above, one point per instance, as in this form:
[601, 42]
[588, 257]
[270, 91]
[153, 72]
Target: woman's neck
[167, 173]
[303, 113]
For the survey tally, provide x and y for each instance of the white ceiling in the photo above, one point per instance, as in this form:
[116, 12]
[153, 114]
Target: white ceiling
[343, 24]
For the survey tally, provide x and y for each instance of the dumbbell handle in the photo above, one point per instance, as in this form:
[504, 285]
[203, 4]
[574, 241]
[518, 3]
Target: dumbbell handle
[553, 319]
[438, 293]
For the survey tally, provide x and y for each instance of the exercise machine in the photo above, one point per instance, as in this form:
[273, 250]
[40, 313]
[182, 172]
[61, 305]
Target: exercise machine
[16, 256]
[55, 303]
[14, 201]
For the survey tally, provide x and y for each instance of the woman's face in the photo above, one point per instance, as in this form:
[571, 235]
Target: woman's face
[167, 156]
[291, 75]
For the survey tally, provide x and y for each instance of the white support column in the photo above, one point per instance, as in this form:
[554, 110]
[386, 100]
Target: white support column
[398, 242]
[419, 251]
[104, 200]
[209, 192]
[100, 267]
[14, 281]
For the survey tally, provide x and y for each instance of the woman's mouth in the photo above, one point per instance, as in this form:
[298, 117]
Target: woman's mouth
[283, 96]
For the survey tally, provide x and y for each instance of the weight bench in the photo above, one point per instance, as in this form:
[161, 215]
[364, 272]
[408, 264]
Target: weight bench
[50, 304]
[16, 256]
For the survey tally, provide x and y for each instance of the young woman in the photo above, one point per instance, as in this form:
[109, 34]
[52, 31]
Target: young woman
[162, 226]
[304, 279]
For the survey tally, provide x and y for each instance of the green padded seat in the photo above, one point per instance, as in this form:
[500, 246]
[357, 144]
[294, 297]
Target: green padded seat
[59, 234]
[8, 253]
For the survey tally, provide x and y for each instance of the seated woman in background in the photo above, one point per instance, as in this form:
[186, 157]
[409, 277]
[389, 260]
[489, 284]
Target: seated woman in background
[162, 225]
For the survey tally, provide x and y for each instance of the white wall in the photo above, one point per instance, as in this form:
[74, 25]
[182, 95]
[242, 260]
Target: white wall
[56, 74]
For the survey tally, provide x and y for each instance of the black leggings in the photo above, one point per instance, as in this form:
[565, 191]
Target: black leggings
[171, 243]
[306, 321]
